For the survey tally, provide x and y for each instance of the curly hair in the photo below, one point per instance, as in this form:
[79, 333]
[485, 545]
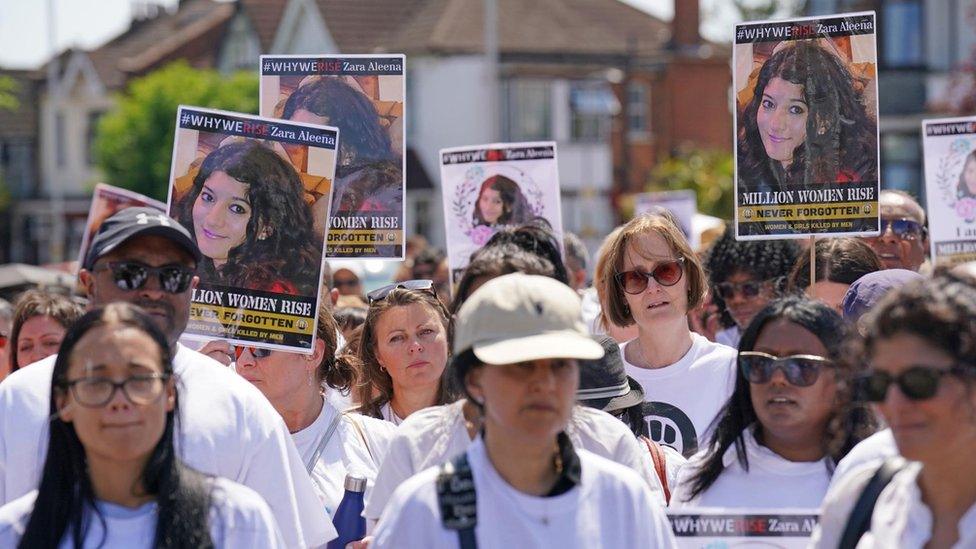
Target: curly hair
[363, 139]
[375, 386]
[280, 221]
[841, 260]
[849, 423]
[535, 237]
[33, 303]
[515, 207]
[494, 261]
[840, 136]
[338, 371]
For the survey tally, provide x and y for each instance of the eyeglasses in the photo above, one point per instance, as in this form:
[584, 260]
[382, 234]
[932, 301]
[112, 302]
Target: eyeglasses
[750, 289]
[916, 382]
[132, 275]
[256, 352]
[339, 283]
[905, 229]
[667, 273]
[800, 370]
[95, 392]
[380, 294]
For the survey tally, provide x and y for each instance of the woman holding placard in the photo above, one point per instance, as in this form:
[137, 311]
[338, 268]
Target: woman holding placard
[789, 420]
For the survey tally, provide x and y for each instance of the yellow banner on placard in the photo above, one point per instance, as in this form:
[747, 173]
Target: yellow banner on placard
[807, 212]
[372, 236]
[251, 319]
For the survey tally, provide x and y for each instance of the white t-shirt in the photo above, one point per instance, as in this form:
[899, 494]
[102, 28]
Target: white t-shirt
[238, 518]
[227, 429]
[770, 482]
[389, 415]
[346, 451]
[610, 507]
[434, 435]
[682, 399]
[729, 336]
[873, 450]
[900, 518]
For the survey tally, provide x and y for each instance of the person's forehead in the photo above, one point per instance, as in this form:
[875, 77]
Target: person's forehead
[152, 250]
[899, 207]
[345, 274]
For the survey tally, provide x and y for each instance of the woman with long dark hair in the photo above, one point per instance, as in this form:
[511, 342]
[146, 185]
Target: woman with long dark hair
[789, 420]
[246, 212]
[112, 476]
[806, 124]
[500, 202]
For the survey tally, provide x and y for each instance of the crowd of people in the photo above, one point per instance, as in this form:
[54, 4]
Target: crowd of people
[527, 406]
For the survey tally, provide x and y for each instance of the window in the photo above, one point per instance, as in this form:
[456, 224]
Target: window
[592, 106]
[60, 152]
[527, 106]
[901, 162]
[638, 115]
[93, 118]
[901, 33]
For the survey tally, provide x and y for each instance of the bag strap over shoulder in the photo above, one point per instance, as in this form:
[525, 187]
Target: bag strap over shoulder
[457, 500]
[351, 416]
[859, 521]
[660, 466]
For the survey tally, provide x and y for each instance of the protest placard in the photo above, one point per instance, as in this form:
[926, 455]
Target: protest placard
[487, 187]
[806, 127]
[682, 204]
[106, 201]
[246, 188]
[364, 96]
[709, 528]
[950, 188]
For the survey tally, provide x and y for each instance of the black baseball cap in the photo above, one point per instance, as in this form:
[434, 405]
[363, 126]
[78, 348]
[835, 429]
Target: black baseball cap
[604, 383]
[138, 221]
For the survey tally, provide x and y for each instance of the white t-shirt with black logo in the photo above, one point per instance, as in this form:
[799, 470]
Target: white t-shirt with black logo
[346, 451]
[610, 507]
[227, 429]
[682, 399]
[771, 481]
[434, 435]
[238, 518]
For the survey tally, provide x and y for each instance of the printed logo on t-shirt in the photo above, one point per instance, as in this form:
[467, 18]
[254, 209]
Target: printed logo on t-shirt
[668, 425]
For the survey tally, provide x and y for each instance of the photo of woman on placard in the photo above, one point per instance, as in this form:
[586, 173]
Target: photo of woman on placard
[501, 202]
[247, 214]
[967, 178]
[806, 123]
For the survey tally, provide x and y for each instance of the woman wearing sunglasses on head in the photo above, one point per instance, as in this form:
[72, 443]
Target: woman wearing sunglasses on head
[330, 442]
[403, 348]
[652, 278]
[790, 419]
[112, 477]
[920, 350]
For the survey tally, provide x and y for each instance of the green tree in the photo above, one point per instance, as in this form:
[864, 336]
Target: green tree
[134, 140]
[707, 172]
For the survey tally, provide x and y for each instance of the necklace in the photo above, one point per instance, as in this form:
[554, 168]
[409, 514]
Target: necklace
[393, 416]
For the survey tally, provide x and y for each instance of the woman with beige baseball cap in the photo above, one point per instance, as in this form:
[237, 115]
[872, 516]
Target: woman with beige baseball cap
[522, 483]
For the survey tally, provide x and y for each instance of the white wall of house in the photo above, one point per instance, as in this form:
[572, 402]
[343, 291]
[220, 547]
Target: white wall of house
[302, 30]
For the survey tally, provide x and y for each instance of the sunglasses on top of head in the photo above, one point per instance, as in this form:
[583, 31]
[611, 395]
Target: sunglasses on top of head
[666, 273]
[916, 382]
[132, 275]
[799, 370]
[380, 294]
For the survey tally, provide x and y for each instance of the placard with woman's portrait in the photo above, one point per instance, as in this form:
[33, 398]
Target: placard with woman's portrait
[241, 185]
[950, 188]
[806, 127]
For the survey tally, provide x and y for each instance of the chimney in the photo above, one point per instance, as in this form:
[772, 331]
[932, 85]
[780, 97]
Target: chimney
[684, 27]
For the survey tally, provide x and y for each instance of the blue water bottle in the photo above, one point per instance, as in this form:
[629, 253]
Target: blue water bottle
[348, 519]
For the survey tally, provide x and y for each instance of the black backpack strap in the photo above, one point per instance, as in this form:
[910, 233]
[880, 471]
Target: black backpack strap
[457, 500]
[859, 520]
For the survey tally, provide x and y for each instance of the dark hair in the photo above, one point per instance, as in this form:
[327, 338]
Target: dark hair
[941, 311]
[347, 318]
[34, 303]
[962, 190]
[762, 259]
[65, 498]
[842, 260]
[363, 138]
[356, 184]
[849, 423]
[535, 237]
[840, 136]
[494, 261]
[515, 208]
[280, 220]
[375, 387]
[337, 371]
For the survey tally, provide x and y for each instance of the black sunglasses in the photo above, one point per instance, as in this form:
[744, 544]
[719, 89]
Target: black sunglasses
[380, 294]
[904, 229]
[916, 382]
[667, 273]
[256, 352]
[800, 370]
[750, 289]
[132, 275]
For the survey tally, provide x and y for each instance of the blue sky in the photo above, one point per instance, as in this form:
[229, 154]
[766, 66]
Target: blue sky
[24, 41]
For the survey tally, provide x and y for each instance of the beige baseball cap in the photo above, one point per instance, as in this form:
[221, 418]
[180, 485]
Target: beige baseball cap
[519, 317]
